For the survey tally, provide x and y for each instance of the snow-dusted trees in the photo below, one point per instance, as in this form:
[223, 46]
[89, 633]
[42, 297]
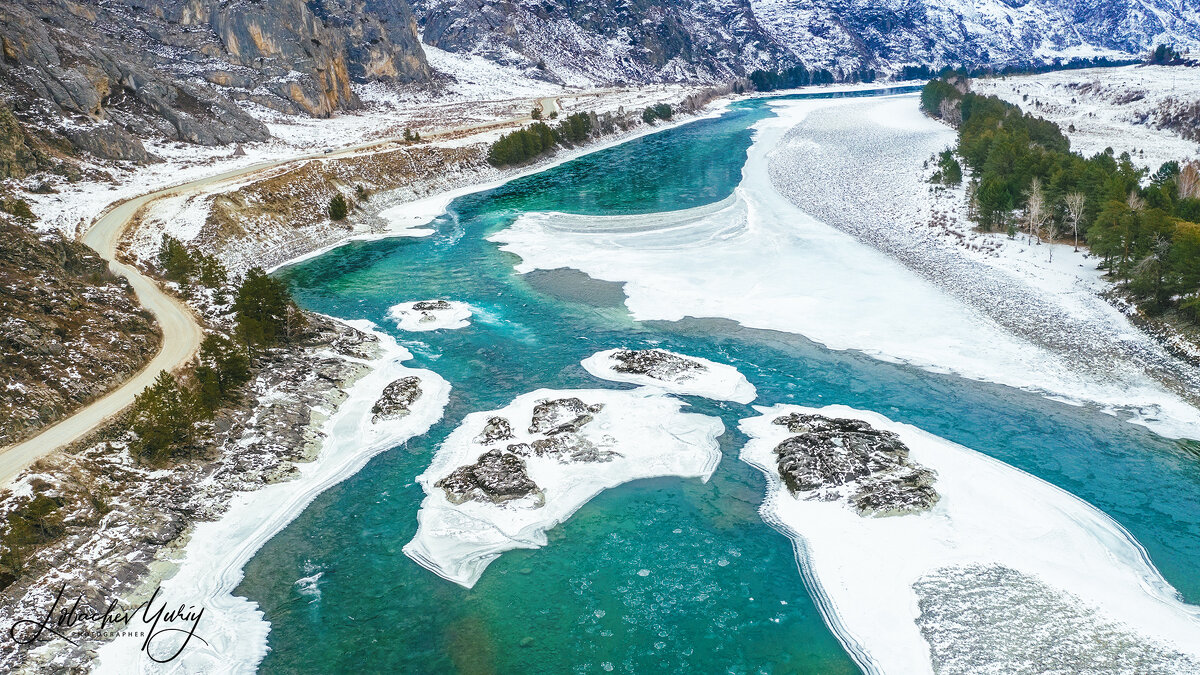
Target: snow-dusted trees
[179, 263]
[1036, 212]
[266, 313]
[1074, 203]
[338, 207]
[1022, 173]
[162, 421]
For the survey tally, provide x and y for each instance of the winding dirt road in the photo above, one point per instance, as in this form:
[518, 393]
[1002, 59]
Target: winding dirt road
[181, 333]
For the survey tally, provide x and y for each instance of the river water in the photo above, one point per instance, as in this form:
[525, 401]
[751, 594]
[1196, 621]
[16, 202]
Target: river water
[662, 575]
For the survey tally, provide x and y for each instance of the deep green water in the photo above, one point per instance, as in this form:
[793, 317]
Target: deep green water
[715, 598]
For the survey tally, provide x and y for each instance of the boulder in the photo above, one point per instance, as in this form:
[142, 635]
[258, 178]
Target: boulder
[562, 415]
[656, 363]
[397, 398]
[834, 458]
[497, 477]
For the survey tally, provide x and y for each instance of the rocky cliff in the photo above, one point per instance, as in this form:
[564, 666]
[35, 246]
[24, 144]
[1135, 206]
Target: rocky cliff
[102, 75]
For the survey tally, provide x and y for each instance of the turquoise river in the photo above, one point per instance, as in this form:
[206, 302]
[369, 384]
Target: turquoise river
[725, 594]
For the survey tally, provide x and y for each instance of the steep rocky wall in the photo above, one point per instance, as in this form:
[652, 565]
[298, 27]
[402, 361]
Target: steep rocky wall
[105, 74]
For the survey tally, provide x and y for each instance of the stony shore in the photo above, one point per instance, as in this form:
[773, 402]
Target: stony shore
[124, 524]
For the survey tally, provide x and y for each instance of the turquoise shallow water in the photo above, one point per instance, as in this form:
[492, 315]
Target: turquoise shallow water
[723, 593]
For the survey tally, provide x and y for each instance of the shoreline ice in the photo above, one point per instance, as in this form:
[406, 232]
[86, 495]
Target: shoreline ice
[215, 556]
[647, 428]
[716, 381]
[862, 570]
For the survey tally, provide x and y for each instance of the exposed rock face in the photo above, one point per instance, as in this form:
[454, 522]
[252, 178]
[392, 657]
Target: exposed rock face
[173, 68]
[566, 447]
[833, 458]
[18, 155]
[61, 310]
[397, 399]
[656, 363]
[496, 477]
[499, 475]
[561, 415]
[497, 429]
[431, 305]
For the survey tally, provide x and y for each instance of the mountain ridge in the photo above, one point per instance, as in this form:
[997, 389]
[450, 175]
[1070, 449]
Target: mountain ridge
[98, 76]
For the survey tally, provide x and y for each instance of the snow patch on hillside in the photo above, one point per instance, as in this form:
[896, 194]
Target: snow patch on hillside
[1099, 108]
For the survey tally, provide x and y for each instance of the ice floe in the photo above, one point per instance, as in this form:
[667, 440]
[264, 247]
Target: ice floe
[890, 587]
[672, 372]
[233, 629]
[424, 315]
[504, 477]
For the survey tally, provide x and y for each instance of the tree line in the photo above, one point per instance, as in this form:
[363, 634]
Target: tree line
[165, 416]
[1024, 178]
[540, 138]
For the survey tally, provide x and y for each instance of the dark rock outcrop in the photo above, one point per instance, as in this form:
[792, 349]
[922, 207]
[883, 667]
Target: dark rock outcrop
[397, 399]
[497, 477]
[431, 305]
[833, 458]
[497, 429]
[656, 363]
[561, 416]
[569, 447]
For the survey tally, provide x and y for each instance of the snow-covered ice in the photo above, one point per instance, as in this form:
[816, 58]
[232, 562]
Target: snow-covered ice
[233, 628]
[709, 379]
[646, 429]
[862, 570]
[426, 315]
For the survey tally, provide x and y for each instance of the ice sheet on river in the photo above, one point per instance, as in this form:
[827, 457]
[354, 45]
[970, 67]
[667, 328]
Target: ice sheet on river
[504, 477]
[1003, 568]
[756, 258]
[672, 372]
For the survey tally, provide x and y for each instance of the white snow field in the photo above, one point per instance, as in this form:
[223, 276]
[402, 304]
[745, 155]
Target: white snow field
[1099, 108]
[783, 269]
[645, 428]
[702, 377]
[992, 520]
[233, 628]
[426, 315]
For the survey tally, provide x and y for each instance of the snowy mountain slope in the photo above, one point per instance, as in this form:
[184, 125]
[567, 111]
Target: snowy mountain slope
[580, 43]
[654, 40]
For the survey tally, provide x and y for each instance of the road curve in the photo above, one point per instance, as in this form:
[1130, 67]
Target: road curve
[181, 334]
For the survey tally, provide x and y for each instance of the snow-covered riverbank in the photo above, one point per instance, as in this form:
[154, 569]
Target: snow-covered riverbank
[233, 629]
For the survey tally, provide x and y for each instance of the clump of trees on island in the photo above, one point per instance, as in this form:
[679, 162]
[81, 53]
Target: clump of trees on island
[165, 417]
[1025, 178]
